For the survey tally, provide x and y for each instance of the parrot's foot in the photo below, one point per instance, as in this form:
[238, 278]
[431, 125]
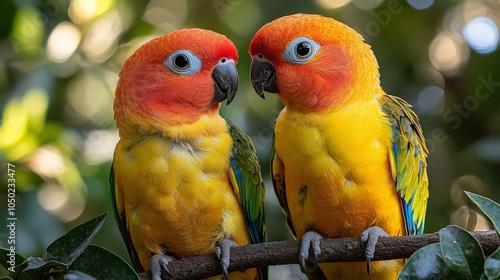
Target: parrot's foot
[369, 240]
[223, 253]
[310, 241]
[158, 263]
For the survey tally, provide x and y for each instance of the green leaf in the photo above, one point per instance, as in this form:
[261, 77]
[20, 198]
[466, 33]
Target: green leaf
[490, 208]
[35, 268]
[492, 265]
[39, 264]
[461, 252]
[103, 264]
[69, 246]
[34, 262]
[426, 263]
[9, 258]
[5, 278]
[45, 267]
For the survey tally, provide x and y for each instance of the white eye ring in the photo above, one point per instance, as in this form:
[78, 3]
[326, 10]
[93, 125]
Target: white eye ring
[183, 62]
[301, 50]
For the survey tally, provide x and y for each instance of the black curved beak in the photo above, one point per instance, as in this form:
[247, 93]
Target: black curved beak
[225, 78]
[263, 77]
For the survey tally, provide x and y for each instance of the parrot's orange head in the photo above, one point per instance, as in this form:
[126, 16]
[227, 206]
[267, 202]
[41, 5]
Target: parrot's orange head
[175, 79]
[313, 62]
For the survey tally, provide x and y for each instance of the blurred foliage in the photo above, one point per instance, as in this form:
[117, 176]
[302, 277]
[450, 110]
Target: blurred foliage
[59, 61]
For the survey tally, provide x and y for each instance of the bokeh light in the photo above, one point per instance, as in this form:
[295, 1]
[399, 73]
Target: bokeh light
[99, 146]
[100, 41]
[481, 34]
[90, 98]
[465, 216]
[431, 100]
[63, 41]
[82, 11]
[58, 200]
[332, 4]
[420, 4]
[47, 162]
[52, 196]
[470, 183]
[469, 219]
[448, 52]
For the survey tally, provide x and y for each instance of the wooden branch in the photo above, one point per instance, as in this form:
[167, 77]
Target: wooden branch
[332, 250]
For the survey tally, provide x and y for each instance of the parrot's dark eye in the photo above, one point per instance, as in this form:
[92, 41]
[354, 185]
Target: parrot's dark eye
[183, 62]
[301, 50]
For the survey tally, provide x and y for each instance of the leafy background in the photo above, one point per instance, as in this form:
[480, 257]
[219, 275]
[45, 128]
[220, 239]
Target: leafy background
[59, 61]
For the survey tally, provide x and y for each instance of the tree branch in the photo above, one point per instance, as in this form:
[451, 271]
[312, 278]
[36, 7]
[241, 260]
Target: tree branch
[332, 250]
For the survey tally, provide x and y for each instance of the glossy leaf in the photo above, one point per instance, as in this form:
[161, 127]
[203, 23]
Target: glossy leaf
[37, 268]
[492, 265]
[71, 245]
[45, 266]
[490, 208]
[426, 263]
[461, 252]
[103, 264]
[34, 262]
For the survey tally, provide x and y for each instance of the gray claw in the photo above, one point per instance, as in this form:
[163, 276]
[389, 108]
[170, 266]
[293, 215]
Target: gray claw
[310, 241]
[159, 262]
[369, 239]
[223, 253]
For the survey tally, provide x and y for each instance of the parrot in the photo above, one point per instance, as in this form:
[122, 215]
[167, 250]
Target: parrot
[184, 180]
[347, 159]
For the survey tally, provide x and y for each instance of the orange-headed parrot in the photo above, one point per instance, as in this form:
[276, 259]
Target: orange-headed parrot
[348, 160]
[185, 181]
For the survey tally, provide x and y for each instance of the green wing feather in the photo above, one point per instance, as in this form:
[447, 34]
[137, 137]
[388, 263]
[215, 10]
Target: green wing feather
[248, 184]
[408, 161]
[121, 221]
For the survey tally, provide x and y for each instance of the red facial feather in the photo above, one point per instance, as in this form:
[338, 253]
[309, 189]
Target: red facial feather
[147, 89]
[330, 78]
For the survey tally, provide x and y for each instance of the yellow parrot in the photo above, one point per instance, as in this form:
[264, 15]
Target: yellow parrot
[185, 181]
[348, 160]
